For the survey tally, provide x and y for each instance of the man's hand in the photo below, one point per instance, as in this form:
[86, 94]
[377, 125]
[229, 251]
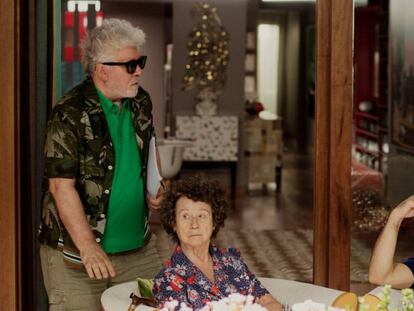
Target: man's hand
[73, 216]
[155, 202]
[96, 262]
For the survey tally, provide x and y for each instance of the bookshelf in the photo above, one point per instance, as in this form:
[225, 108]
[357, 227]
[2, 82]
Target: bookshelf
[371, 85]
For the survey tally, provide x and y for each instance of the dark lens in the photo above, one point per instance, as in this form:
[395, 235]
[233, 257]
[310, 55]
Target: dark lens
[131, 66]
[141, 61]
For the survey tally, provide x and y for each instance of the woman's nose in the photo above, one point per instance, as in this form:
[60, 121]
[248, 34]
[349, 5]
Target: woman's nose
[194, 222]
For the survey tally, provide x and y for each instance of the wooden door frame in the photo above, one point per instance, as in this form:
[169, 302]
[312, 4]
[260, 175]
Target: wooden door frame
[10, 259]
[332, 210]
[332, 196]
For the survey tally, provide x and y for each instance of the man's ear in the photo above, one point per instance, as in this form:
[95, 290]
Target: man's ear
[101, 72]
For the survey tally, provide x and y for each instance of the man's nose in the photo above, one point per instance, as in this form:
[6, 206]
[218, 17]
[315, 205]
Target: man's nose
[138, 71]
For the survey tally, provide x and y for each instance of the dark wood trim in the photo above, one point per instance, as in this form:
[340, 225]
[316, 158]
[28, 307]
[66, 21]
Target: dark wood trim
[10, 291]
[30, 156]
[332, 212]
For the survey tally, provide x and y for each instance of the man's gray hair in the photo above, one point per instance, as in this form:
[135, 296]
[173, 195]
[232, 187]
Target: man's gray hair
[103, 42]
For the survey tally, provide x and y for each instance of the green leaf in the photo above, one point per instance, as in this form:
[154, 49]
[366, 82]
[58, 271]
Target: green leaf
[145, 287]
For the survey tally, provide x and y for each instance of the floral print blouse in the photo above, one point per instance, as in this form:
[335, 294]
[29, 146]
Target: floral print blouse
[181, 280]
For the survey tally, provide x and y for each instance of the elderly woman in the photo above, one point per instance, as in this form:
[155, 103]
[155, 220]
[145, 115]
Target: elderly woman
[198, 272]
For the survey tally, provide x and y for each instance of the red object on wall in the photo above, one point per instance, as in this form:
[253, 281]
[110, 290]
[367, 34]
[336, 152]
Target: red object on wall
[68, 54]
[82, 26]
[69, 20]
[366, 19]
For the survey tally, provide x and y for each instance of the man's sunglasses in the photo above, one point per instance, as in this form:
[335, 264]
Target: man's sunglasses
[130, 66]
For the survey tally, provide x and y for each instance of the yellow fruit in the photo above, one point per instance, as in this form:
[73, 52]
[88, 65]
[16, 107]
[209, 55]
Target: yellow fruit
[348, 301]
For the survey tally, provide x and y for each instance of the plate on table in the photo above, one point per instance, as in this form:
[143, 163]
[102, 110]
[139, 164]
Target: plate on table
[116, 298]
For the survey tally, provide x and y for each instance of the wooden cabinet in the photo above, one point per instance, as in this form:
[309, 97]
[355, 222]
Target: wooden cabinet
[263, 148]
[371, 84]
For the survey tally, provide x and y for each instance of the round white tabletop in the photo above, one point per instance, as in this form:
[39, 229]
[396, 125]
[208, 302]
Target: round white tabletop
[117, 298]
[395, 297]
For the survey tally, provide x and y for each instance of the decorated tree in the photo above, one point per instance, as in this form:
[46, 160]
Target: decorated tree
[208, 54]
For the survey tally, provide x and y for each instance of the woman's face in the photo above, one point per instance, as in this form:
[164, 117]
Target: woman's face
[193, 222]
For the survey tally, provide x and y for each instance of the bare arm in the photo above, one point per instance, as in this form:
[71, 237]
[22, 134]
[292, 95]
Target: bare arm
[69, 205]
[382, 269]
[270, 303]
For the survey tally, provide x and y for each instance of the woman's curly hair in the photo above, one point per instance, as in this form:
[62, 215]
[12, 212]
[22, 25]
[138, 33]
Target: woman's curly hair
[198, 188]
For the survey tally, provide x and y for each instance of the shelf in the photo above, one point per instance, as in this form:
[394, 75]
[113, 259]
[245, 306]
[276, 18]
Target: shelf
[365, 150]
[366, 115]
[370, 128]
[367, 133]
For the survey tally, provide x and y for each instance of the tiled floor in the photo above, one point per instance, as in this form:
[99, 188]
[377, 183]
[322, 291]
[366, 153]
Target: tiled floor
[292, 209]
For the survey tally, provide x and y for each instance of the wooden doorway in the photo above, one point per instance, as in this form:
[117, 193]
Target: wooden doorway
[332, 158]
[332, 198]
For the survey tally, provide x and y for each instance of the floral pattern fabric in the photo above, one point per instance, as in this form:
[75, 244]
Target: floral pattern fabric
[78, 145]
[181, 280]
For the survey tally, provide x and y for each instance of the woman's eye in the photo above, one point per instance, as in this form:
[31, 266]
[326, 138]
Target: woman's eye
[202, 216]
[186, 216]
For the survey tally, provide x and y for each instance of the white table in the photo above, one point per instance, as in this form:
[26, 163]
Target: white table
[117, 298]
[395, 296]
[290, 292]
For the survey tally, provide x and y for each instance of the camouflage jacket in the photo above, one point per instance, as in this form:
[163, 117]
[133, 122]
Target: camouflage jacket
[78, 145]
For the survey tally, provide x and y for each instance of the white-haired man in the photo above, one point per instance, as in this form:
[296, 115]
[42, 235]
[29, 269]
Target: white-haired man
[94, 231]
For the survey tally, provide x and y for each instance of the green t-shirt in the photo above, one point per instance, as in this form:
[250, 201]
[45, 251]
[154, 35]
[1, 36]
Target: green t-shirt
[125, 225]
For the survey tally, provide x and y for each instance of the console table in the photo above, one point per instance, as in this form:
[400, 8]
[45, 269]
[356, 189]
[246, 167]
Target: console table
[215, 143]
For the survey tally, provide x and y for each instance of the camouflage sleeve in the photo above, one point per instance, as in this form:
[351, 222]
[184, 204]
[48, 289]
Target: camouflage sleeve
[147, 109]
[61, 145]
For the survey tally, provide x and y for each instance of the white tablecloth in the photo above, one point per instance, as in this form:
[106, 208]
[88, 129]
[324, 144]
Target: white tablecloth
[395, 296]
[117, 298]
[290, 292]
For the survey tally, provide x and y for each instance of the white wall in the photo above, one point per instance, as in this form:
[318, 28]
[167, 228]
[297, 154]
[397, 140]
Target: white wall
[233, 17]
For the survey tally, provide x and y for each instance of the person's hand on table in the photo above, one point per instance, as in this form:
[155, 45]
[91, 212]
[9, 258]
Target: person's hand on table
[96, 262]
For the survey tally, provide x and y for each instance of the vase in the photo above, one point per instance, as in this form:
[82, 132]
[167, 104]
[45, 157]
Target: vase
[206, 103]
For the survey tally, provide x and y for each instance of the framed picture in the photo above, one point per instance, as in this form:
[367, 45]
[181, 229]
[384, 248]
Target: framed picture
[402, 74]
